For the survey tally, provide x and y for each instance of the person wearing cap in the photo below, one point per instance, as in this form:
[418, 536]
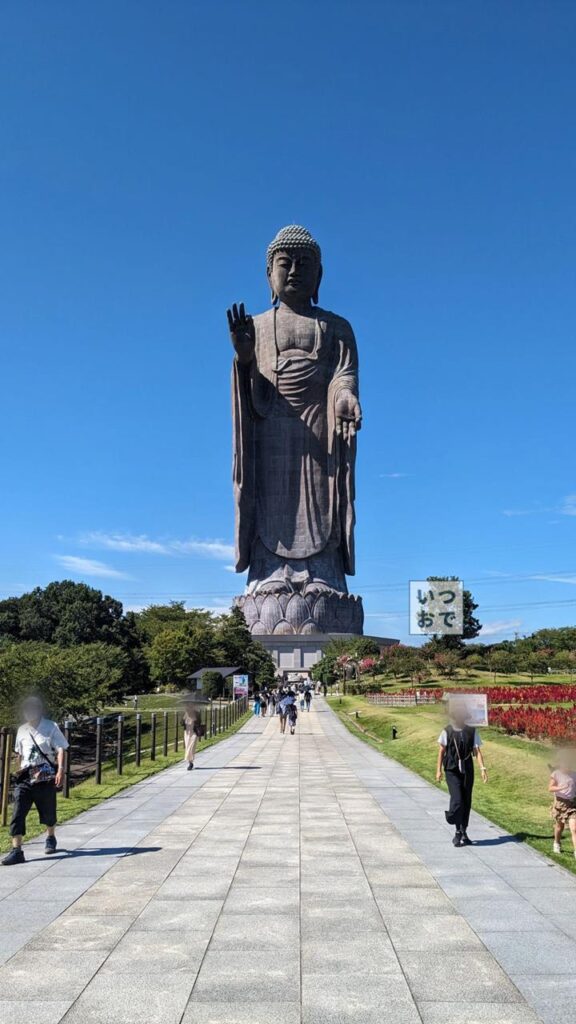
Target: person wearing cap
[40, 746]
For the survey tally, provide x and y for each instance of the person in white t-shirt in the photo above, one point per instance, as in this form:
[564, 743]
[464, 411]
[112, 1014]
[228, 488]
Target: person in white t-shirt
[563, 786]
[40, 746]
[458, 746]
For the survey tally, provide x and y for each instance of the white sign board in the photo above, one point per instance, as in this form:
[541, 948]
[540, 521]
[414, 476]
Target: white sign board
[436, 606]
[474, 705]
[240, 686]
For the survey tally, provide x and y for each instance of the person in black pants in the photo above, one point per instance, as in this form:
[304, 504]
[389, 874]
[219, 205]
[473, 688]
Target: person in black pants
[458, 745]
[40, 746]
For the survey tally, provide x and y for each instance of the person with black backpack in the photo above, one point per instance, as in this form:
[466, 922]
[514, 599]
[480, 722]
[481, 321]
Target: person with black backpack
[40, 746]
[458, 745]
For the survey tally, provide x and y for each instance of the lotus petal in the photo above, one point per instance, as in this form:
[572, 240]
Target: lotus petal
[297, 612]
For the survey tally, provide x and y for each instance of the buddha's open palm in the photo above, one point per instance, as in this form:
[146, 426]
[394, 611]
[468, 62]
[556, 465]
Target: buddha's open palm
[241, 326]
[348, 415]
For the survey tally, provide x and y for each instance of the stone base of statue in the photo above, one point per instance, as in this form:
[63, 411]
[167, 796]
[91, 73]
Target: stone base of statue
[296, 654]
[302, 614]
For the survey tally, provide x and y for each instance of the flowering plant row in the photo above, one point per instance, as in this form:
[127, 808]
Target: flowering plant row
[556, 724]
[539, 694]
[553, 694]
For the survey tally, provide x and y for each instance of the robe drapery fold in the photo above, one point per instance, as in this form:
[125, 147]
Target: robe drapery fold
[293, 476]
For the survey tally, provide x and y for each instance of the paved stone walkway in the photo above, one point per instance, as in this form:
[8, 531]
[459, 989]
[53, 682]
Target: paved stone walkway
[286, 880]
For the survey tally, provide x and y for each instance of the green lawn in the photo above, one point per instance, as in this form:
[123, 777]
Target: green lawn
[88, 794]
[467, 680]
[515, 797]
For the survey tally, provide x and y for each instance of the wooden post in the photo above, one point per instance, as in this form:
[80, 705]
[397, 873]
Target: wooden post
[98, 778]
[165, 735]
[66, 778]
[120, 745]
[138, 757]
[176, 727]
[5, 768]
[153, 736]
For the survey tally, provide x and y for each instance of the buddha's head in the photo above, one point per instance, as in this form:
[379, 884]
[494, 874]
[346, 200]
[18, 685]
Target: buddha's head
[294, 266]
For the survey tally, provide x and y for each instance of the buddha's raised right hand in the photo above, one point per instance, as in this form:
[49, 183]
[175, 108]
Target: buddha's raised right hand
[241, 326]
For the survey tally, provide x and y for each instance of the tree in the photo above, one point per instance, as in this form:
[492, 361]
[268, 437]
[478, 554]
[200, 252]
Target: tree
[504, 662]
[536, 663]
[158, 617]
[175, 654]
[212, 685]
[565, 661]
[447, 663]
[233, 637]
[64, 613]
[69, 615]
[73, 680]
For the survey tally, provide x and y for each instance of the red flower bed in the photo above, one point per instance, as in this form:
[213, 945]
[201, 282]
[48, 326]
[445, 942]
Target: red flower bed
[539, 694]
[556, 724]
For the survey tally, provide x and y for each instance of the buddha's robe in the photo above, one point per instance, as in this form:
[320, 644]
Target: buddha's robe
[293, 476]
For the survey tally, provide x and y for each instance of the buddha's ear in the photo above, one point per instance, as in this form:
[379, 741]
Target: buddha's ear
[315, 296]
[273, 296]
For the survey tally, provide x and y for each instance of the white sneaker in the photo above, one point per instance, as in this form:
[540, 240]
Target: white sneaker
[556, 848]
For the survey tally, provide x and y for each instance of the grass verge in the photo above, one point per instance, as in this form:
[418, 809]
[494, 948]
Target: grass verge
[515, 796]
[88, 794]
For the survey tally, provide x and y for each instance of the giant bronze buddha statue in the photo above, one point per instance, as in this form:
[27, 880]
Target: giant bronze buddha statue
[296, 414]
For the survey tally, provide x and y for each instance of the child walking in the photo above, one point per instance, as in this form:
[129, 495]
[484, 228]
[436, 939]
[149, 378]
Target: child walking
[563, 785]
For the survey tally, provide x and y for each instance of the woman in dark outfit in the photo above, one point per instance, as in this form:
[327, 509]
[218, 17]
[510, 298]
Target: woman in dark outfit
[459, 744]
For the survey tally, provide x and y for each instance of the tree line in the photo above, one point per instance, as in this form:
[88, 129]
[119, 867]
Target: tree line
[84, 651]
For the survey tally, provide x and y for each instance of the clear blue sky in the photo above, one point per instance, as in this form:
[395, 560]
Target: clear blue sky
[149, 153]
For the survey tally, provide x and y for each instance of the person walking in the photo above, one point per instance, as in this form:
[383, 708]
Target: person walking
[40, 746]
[292, 717]
[286, 702]
[193, 731]
[563, 787]
[257, 703]
[263, 703]
[308, 698]
[458, 744]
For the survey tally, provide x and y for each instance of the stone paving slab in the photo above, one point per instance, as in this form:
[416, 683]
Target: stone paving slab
[289, 880]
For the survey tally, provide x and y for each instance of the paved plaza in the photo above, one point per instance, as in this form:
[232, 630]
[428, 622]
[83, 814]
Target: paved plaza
[286, 880]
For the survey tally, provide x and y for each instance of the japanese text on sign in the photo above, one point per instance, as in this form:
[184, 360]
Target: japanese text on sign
[437, 606]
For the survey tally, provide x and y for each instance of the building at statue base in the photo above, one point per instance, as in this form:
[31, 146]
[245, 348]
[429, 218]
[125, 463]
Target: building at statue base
[298, 653]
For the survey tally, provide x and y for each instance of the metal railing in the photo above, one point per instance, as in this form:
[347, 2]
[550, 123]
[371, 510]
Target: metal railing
[113, 741]
[402, 700]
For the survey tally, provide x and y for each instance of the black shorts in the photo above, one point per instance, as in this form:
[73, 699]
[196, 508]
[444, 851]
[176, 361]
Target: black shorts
[42, 796]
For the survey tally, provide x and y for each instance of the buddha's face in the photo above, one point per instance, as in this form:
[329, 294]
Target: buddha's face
[295, 275]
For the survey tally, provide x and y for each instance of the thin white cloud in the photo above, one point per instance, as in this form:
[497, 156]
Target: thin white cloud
[511, 512]
[568, 507]
[551, 578]
[141, 543]
[90, 567]
[208, 548]
[393, 476]
[501, 626]
[123, 542]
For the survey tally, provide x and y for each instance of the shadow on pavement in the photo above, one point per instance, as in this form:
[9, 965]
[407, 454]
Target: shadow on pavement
[517, 838]
[102, 851]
